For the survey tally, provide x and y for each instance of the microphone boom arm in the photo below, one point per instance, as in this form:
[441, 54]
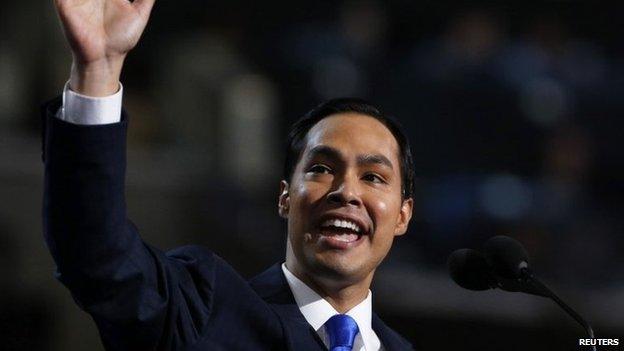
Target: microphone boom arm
[529, 277]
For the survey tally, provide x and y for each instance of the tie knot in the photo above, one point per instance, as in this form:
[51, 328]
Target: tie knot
[342, 330]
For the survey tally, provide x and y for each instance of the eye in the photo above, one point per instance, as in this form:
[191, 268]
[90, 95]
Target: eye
[319, 169]
[374, 178]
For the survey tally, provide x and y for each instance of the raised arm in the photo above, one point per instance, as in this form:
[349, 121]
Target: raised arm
[140, 298]
[100, 34]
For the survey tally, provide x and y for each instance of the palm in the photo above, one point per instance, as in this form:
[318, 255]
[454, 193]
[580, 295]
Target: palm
[97, 29]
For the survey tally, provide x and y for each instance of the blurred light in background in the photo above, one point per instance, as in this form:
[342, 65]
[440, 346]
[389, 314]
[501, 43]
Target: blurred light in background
[514, 113]
[505, 197]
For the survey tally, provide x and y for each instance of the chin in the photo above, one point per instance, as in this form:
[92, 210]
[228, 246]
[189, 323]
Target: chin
[339, 268]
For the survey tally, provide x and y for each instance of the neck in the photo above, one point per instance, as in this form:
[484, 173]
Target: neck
[342, 295]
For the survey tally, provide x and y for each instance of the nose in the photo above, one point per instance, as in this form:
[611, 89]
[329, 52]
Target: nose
[345, 192]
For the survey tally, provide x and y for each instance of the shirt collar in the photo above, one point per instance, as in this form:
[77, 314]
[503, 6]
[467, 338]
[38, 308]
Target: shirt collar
[317, 310]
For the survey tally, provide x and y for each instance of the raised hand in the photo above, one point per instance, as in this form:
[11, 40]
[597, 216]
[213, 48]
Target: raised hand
[101, 33]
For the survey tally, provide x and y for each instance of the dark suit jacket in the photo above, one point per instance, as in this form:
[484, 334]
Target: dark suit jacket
[140, 297]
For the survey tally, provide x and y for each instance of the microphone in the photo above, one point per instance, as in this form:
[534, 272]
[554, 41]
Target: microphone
[470, 270]
[505, 265]
[507, 256]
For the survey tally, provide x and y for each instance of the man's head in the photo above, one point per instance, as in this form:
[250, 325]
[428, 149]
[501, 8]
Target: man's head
[347, 191]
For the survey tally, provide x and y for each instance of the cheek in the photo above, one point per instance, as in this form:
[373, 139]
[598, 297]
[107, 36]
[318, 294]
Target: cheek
[303, 197]
[382, 208]
[306, 194]
[384, 213]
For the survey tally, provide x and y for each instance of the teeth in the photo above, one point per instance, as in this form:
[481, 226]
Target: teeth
[346, 237]
[341, 224]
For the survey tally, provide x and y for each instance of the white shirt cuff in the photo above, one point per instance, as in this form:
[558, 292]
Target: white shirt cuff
[87, 110]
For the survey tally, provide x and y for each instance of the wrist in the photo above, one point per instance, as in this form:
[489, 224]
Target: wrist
[96, 79]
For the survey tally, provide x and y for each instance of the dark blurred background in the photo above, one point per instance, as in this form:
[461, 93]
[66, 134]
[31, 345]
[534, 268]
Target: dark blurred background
[515, 115]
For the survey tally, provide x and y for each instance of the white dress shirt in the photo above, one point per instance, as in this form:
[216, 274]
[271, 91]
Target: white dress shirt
[86, 110]
[317, 311]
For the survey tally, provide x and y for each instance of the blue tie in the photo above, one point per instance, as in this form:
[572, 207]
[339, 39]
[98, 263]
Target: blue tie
[342, 330]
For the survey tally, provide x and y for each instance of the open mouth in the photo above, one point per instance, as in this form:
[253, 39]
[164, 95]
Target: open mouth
[340, 233]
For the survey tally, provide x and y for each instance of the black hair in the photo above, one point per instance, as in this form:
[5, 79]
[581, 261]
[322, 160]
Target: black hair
[297, 135]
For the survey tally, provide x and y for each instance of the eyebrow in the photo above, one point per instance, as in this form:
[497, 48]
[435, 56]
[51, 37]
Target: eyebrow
[376, 159]
[333, 153]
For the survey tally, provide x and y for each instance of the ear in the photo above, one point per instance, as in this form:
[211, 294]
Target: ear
[404, 217]
[283, 204]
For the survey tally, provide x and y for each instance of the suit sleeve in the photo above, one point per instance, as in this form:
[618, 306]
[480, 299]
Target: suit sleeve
[139, 297]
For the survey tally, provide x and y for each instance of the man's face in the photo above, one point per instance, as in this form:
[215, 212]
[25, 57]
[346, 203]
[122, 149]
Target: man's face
[344, 203]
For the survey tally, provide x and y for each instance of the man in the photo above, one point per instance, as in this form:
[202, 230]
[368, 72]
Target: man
[346, 194]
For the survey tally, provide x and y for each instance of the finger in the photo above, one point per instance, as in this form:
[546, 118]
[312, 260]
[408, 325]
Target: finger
[144, 6]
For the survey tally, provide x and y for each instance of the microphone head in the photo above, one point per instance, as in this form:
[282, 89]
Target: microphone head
[470, 270]
[506, 256]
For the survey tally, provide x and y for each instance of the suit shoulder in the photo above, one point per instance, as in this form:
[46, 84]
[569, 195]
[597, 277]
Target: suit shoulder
[200, 260]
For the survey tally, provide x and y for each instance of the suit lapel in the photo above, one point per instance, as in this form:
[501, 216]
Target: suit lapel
[272, 286]
[390, 340]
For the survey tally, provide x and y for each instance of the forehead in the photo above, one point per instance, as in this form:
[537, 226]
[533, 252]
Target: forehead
[354, 133]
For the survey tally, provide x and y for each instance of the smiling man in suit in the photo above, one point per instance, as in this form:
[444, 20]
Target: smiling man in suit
[346, 194]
